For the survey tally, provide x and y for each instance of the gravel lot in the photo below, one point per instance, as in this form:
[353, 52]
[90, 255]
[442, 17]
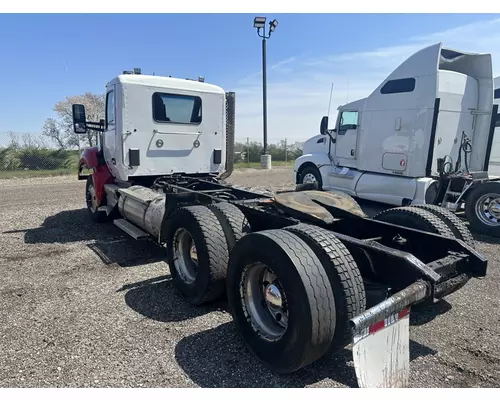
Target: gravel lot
[83, 305]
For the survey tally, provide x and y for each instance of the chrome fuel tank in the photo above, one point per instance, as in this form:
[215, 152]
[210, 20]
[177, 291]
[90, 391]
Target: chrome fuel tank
[143, 207]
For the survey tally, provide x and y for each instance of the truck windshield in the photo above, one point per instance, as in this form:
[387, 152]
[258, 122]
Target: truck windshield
[175, 108]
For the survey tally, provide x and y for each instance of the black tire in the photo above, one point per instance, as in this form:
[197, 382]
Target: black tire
[206, 232]
[415, 218]
[313, 171]
[95, 215]
[457, 226]
[484, 223]
[309, 300]
[233, 222]
[344, 276]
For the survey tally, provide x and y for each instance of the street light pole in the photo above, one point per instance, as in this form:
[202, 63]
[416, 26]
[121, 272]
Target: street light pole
[264, 92]
[260, 23]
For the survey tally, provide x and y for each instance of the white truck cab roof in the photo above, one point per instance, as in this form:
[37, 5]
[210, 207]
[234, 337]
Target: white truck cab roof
[165, 81]
[162, 125]
[354, 105]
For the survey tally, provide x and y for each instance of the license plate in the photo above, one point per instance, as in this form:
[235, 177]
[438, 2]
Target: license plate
[381, 353]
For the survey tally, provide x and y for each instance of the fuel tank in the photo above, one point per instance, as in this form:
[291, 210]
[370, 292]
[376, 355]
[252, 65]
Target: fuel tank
[143, 207]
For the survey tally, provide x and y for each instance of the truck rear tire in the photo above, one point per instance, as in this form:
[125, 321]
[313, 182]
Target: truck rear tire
[281, 300]
[344, 276]
[415, 218]
[90, 198]
[233, 221]
[482, 208]
[197, 254]
[457, 226]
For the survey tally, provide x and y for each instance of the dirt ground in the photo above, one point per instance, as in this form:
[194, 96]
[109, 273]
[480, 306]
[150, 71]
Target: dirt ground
[84, 305]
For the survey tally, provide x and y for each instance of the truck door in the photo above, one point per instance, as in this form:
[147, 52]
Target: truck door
[112, 150]
[347, 135]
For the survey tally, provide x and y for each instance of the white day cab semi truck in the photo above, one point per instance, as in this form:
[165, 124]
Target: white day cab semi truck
[306, 272]
[423, 137]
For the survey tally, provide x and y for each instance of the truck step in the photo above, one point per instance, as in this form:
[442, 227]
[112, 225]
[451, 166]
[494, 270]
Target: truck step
[130, 229]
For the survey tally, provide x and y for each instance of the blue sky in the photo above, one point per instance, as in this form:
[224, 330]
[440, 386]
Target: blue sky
[47, 57]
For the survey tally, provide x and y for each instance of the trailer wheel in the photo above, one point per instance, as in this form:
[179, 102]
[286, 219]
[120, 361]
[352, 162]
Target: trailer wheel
[280, 299]
[197, 254]
[91, 201]
[343, 274]
[233, 221]
[415, 218]
[482, 208]
[457, 226]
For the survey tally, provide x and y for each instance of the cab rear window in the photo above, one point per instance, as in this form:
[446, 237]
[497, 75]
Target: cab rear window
[176, 108]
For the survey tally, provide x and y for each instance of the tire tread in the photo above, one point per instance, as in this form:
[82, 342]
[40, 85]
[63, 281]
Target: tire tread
[434, 223]
[322, 311]
[353, 296]
[232, 220]
[457, 226]
[215, 243]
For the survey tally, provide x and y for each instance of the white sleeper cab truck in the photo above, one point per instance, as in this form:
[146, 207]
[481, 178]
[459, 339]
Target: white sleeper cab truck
[287, 263]
[423, 137]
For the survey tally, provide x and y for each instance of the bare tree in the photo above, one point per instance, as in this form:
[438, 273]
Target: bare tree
[61, 129]
[52, 130]
[14, 140]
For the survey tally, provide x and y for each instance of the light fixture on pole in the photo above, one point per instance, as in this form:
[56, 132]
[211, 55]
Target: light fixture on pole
[260, 23]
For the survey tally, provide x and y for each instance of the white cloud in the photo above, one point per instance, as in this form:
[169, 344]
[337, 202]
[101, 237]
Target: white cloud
[299, 86]
[284, 62]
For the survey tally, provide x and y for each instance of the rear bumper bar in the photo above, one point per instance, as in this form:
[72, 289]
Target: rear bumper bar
[414, 293]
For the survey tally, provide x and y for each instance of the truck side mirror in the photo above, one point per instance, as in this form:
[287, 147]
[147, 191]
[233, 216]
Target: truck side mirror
[324, 125]
[79, 118]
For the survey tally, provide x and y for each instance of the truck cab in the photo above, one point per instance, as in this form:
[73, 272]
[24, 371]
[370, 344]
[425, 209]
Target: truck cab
[432, 117]
[415, 116]
[156, 126]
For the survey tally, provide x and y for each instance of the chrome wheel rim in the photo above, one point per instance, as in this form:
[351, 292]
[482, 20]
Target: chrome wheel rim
[264, 302]
[185, 256]
[488, 209]
[309, 178]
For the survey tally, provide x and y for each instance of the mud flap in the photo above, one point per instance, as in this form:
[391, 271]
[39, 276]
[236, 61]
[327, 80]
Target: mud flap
[381, 352]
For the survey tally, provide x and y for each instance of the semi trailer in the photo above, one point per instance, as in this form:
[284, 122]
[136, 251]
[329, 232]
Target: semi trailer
[306, 273]
[424, 136]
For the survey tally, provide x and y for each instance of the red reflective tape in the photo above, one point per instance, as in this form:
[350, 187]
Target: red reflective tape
[403, 313]
[377, 326]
